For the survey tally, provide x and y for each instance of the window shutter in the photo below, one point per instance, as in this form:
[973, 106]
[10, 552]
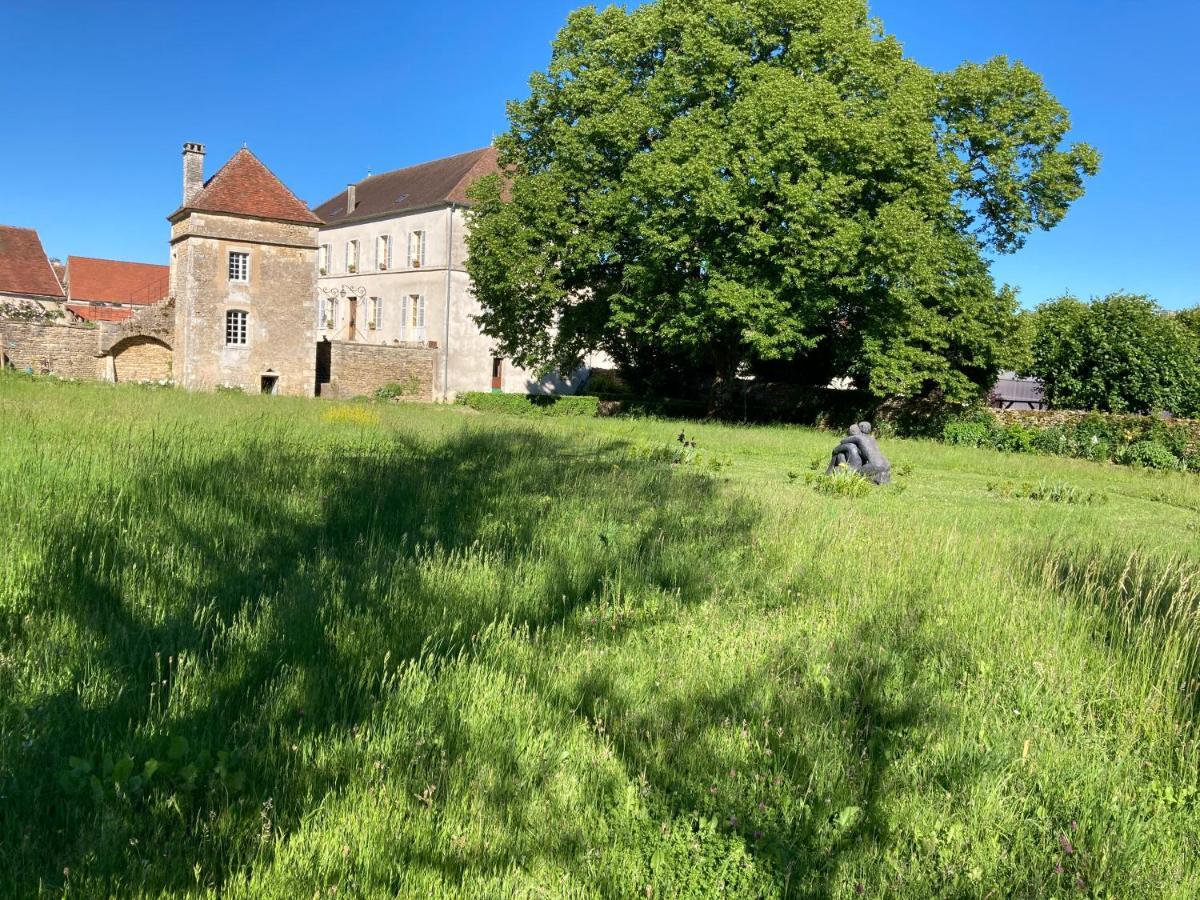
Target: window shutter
[403, 318]
[421, 314]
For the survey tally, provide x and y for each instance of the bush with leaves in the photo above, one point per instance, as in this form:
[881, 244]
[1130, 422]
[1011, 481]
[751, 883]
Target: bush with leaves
[1118, 354]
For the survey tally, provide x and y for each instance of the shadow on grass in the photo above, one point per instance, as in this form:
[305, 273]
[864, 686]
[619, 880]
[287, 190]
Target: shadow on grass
[251, 567]
[778, 803]
[283, 577]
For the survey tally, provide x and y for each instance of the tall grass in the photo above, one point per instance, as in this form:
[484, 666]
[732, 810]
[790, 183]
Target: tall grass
[261, 647]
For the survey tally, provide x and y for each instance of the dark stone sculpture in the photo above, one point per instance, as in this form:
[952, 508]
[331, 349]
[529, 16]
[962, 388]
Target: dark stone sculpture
[859, 451]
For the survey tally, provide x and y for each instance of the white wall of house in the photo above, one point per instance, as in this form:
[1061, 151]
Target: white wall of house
[399, 296]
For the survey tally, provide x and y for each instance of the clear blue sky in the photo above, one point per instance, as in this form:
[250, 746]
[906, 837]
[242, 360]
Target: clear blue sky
[98, 98]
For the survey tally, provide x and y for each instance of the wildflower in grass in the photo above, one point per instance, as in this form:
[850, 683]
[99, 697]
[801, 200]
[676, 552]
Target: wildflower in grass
[733, 822]
[1067, 847]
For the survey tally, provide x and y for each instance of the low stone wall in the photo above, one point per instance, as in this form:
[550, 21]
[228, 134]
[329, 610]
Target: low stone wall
[358, 370]
[1126, 423]
[68, 351]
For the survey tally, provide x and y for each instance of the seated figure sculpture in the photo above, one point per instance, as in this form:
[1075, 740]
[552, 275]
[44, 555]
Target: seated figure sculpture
[859, 451]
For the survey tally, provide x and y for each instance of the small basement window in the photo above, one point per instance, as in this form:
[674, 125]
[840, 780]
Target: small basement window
[235, 328]
[239, 266]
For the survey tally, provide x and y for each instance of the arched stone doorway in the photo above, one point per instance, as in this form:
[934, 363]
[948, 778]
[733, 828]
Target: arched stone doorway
[139, 358]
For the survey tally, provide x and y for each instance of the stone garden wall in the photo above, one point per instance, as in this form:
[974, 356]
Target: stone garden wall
[68, 351]
[358, 370]
[1132, 425]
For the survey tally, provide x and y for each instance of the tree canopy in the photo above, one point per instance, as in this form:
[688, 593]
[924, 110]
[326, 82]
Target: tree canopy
[1118, 354]
[720, 186]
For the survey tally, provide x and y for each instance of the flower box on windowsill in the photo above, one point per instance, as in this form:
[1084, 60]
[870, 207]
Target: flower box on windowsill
[351, 269]
[323, 271]
[383, 267]
[416, 264]
[371, 326]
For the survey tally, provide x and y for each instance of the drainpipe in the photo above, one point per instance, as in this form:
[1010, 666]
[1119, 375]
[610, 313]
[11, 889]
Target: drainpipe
[446, 313]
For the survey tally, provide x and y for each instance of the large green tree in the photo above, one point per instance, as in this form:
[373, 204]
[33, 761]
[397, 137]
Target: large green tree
[1118, 354]
[714, 186]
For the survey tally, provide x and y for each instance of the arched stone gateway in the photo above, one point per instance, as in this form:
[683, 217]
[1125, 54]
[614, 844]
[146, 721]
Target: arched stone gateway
[140, 348]
[139, 358]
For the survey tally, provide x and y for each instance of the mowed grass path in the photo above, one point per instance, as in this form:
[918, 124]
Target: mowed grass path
[269, 648]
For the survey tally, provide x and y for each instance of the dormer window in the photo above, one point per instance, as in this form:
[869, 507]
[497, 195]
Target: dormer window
[239, 266]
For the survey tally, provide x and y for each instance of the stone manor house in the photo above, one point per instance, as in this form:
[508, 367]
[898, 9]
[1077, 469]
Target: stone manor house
[265, 295]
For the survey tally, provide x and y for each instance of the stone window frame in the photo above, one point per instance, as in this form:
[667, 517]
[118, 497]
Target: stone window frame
[244, 269]
[235, 329]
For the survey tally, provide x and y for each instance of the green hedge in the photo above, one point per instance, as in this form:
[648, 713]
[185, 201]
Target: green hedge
[1142, 441]
[530, 404]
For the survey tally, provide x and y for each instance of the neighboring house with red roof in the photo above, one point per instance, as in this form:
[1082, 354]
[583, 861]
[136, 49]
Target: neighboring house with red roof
[109, 290]
[28, 285]
[243, 276]
[392, 273]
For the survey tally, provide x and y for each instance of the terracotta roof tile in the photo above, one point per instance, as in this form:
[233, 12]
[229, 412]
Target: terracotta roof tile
[116, 282]
[100, 313]
[24, 268]
[428, 184]
[245, 187]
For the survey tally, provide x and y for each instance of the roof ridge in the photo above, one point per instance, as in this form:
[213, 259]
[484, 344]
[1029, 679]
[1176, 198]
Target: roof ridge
[127, 262]
[428, 162]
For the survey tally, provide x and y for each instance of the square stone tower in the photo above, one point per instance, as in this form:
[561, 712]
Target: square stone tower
[244, 279]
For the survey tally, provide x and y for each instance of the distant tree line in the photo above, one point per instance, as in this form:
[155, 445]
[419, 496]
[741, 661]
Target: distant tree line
[1121, 353]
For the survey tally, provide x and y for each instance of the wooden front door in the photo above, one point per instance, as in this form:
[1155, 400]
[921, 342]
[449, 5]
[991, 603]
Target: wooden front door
[353, 316]
[497, 373]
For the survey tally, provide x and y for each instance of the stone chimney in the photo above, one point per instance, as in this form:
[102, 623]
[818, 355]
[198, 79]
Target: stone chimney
[351, 202]
[193, 171]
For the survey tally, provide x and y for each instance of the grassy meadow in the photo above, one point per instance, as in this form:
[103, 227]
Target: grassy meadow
[257, 647]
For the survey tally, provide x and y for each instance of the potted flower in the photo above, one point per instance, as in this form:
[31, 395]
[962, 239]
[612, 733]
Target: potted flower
[352, 268]
[383, 267]
[323, 272]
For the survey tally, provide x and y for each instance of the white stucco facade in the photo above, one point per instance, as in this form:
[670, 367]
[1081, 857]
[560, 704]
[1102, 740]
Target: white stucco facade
[400, 280]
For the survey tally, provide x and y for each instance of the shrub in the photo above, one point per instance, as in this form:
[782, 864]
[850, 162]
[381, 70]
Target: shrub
[1051, 441]
[1014, 439]
[1150, 455]
[530, 404]
[398, 390]
[967, 434]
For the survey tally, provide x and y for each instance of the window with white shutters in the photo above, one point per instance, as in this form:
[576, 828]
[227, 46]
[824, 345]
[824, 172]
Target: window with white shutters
[323, 259]
[383, 252]
[416, 249]
[351, 256]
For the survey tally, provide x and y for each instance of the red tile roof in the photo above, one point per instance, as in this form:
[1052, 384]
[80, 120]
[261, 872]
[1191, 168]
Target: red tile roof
[24, 268]
[245, 187]
[116, 282]
[100, 313]
[428, 184]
